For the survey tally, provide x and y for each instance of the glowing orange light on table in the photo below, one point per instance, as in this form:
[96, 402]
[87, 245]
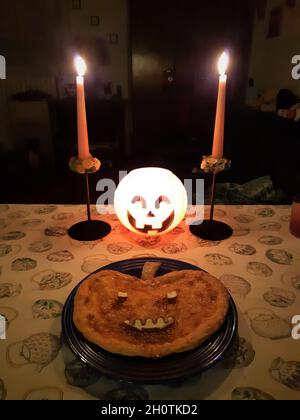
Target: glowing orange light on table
[218, 144]
[83, 139]
[295, 219]
[151, 201]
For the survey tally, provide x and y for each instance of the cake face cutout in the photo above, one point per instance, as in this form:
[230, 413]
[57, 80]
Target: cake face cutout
[169, 314]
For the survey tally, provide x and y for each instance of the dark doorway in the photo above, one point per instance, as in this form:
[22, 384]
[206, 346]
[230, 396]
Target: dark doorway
[175, 46]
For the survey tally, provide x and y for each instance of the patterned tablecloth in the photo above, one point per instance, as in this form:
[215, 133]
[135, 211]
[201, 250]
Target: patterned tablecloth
[40, 265]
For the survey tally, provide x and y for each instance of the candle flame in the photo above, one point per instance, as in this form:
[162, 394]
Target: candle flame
[80, 65]
[223, 63]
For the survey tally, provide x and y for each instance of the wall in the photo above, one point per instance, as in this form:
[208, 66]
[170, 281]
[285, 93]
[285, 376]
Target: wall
[110, 60]
[271, 57]
[39, 40]
[34, 40]
[34, 36]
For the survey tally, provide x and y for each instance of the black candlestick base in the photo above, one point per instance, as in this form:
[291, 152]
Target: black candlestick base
[90, 230]
[212, 230]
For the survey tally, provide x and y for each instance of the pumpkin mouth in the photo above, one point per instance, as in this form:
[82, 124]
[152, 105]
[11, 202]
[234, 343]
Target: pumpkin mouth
[153, 227]
[150, 325]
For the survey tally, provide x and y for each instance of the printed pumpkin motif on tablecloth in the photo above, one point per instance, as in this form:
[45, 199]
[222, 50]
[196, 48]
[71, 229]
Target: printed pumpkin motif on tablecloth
[176, 248]
[10, 290]
[218, 259]
[147, 241]
[241, 355]
[45, 209]
[20, 214]
[39, 350]
[9, 250]
[94, 262]
[244, 218]
[265, 212]
[259, 269]
[250, 394]
[31, 223]
[52, 280]
[236, 285]
[279, 256]
[47, 309]
[286, 373]
[79, 375]
[119, 248]
[280, 298]
[242, 249]
[270, 240]
[127, 392]
[60, 256]
[62, 216]
[3, 391]
[291, 279]
[9, 314]
[12, 236]
[45, 393]
[238, 232]
[23, 264]
[271, 226]
[40, 246]
[3, 224]
[56, 231]
[265, 323]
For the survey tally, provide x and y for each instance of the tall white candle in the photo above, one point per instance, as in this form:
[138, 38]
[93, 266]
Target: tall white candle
[218, 144]
[82, 130]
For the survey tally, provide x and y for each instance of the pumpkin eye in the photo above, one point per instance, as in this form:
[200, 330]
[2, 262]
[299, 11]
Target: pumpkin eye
[172, 296]
[122, 295]
[139, 199]
[161, 199]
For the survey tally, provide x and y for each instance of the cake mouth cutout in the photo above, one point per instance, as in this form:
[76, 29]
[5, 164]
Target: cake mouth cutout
[150, 325]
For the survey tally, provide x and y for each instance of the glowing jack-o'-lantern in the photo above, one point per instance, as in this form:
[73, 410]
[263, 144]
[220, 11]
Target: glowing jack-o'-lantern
[150, 201]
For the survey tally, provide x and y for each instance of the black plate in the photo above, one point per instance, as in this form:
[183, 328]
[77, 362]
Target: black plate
[139, 369]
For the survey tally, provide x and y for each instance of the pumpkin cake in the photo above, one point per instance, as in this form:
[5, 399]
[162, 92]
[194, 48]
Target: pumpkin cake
[150, 317]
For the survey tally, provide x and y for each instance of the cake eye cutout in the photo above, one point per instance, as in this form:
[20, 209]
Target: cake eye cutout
[172, 296]
[123, 295]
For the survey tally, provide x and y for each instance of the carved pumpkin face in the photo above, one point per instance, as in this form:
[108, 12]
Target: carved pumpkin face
[150, 201]
[151, 316]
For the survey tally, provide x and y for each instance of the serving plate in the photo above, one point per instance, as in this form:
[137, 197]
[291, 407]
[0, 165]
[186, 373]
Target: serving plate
[139, 369]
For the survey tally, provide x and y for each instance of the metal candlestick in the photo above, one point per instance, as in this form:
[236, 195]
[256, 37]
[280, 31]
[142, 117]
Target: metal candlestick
[211, 229]
[89, 230]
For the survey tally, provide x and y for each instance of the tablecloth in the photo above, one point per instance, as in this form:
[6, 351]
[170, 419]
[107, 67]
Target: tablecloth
[40, 265]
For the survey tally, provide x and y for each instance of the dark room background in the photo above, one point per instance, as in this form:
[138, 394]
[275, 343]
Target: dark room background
[151, 90]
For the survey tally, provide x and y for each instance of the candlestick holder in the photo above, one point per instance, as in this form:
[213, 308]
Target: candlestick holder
[88, 230]
[211, 229]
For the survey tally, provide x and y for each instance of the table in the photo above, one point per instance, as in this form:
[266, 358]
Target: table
[40, 265]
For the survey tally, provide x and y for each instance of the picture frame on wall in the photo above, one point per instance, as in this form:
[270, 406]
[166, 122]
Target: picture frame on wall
[76, 4]
[291, 4]
[95, 21]
[275, 24]
[114, 39]
[261, 9]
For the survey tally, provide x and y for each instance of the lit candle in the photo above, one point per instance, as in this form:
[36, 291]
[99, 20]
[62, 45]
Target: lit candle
[218, 145]
[83, 140]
